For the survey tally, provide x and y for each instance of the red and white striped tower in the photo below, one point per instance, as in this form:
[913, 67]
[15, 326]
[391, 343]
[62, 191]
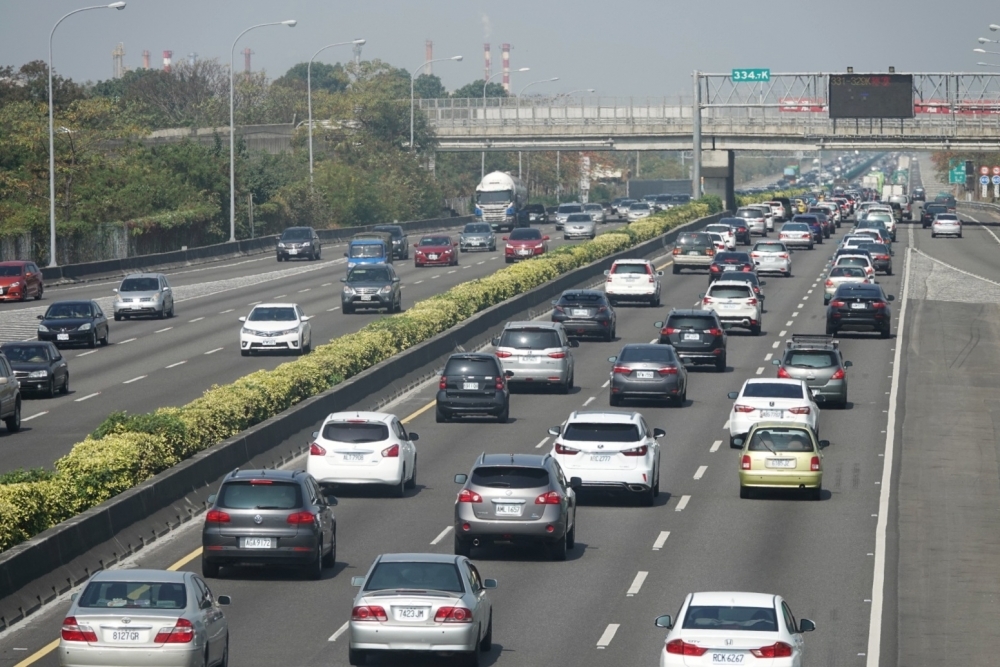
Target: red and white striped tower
[505, 50]
[488, 61]
[145, 59]
[428, 56]
[167, 55]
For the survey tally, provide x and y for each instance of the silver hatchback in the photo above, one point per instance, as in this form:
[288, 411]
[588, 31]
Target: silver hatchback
[144, 294]
[536, 353]
[817, 360]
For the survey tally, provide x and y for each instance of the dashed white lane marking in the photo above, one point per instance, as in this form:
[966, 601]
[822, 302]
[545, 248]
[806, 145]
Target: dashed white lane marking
[806, 298]
[700, 472]
[127, 340]
[83, 354]
[633, 590]
[796, 313]
[783, 332]
[768, 356]
[801, 305]
[775, 345]
[326, 284]
[609, 632]
[606, 383]
[542, 443]
[226, 311]
[810, 291]
[280, 296]
[441, 535]
[330, 310]
[218, 349]
[437, 276]
[305, 290]
[715, 446]
[467, 266]
[341, 630]
[162, 330]
[788, 323]
[661, 539]
[418, 282]
[589, 401]
[726, 425]
[452, 271]
[255, 303]
[141, 377]
[179, 363]
[37, 414]
[760, 370]
[482, 262]
[495, 258]
[88, 396]
[682, 503]
[197, 319]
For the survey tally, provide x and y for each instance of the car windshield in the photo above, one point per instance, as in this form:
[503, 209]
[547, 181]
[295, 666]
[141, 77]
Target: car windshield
[510, 477]
[501, 197]
[435, 241]
[570, 208]
[389, 576]
[32, 354]
[639, 206]
[133, 595]
[769, 247]
[751, 619]
[811, 359]
[847, 272]
[780, 440]
[140, 285]
[525, 234]
[397, 232]
[619, 269]
[772, 390]
[10, 271]
[363, 274]
[582, 298]
[66, 311]
[296, 234]
[729, 292]
[259, 494]
[366, 250]
[356, 432]
[646, 353]
[272, 314]
[477, 228]
[529, 339]
[690, 322]
[587, 432]
[471, 367]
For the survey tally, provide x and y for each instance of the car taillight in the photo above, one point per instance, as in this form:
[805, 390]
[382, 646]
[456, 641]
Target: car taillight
[557, 355]
[467, 496]
[453, 615]
[747, 267]
[181, 633]
[444, 383]
[881, 256]
[804, 410]
[782, 373]
[502, 354]
[743, 408]
[499, 384]
[636, 451]
[713, 332]
[677, 251]
[745, 462]
[878, 304]
[652, 279]
[666, 331]
[814, 463]
[837, 303]
[391, 452]
[299, 518]
[316, 450]
[751, 301]
[709, 251]
[775, 650]
[839, 375]
[368, 613]
[74, 632]
[215, 516]
[623, 370]
[829, 283]
[563, 449]
[668, 370]
[550, 498]
[681, 647]
[706, 300]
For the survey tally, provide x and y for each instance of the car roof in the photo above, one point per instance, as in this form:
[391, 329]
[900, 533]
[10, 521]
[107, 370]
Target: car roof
[520, 460]
[691, 312]
[278, 305]
[532, 324]
[604, 416]
[24, 343]
[726, 283]
[360, 415]
[472, 355]
[418, 558]
[264, 473]
[16, 262]
[72, 302]
[297, 227]
[142, 275]
[632, 261]
[140, 575]
[797, 383]
[587, 292]
[732, 599]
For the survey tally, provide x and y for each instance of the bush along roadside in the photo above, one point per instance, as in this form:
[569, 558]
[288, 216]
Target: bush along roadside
[747, 200]
[126, 450]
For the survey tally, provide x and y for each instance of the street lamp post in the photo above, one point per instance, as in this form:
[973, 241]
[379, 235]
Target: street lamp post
[573, 92]
[356, 42]
[232, 125]
[521, 92]
[413, 78]
[482, 167]
[52, 139]
[996, 53]
[987, 64]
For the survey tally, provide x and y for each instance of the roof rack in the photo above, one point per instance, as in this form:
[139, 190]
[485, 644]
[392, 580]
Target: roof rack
[812, 340]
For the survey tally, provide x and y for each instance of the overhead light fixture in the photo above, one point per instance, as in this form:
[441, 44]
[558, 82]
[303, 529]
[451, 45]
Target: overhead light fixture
[892, 70]
[850, 70]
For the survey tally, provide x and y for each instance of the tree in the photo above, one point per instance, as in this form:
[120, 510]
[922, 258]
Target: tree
[475, 89]
[30, 83]
[331, 78]
[429, 87]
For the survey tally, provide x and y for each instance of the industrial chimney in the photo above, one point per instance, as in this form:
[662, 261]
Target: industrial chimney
[505, 49]
[118, 60]
[487, 61]
[428, 56]
[145, 58]
[167, 55]
[246, 60]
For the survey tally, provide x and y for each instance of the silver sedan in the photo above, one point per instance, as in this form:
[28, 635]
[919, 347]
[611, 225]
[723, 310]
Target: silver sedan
[946, 224]
[423, 603]
[134, 618]
[772, 256]
[596, 211]
[579, 225]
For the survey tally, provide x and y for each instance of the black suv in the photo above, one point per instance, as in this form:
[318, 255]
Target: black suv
[400, 241]
[725, 262]
[859, 306]
[919, 194]
[536, 214]
[371, 286]
[473, 384]
[696, 335]
[585, 312]
[269, 517]
[299, 243]
[740, 229]
[928, 212]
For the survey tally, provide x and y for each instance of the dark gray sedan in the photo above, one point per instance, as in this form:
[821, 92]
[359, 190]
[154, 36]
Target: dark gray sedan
[477, 236]
[648, 371]
[38, 367]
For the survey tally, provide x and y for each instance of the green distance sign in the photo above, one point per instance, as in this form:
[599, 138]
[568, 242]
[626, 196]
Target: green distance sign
[752, 75]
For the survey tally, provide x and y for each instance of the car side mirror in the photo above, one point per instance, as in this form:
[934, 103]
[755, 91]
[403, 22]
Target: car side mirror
[805, 625]
[345, 254]
[505, 238]
[555, 302]
[823, 444]
[166, 289]
[658, 433]
[575, 483]
[701, 296]
[664, 622]
[306, 318]
[331, 499]
[461, 479]
[573, 342]
[776, 362]
[454, 244]
[243, 319]
[659, 273]
[211, 499]
[545, 238]
[396, 279]
[658, 325]
[733, 394]
[414, 436]
[762, 283]
[489, 583]
[848, 364]
[890, 298]
[554, 430]
[357, 582]
[115, 290]
[819, 398]
[41, 317]
[607, 272]
[315, 434]
[738, 442]
[508, 374]
[343, 280]
[612, 359]
[495, 341]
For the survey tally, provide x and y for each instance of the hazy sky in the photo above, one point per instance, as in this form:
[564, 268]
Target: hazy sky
[622, 48]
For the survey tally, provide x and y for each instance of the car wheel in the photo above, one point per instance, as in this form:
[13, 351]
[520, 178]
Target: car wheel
[118, 318]
[656, 485]
[572, 380]
[209, 570]
[92, 343]
[809, 247]
[646, 498]
[65, 385]
[412, 483]
[732, 442]
[557, 550]
[162, 314]
[440, 417]
[52, 388]
[41, 290]
[676, 269]
[755, 330]
[816, 494]
[471, 659]
[279, 258]
[505, 415]
[744, 493]
[885, 333]
[571, 535]
[399, 490]
[462, 547]
[720, 364]
[330, 559]
[614, 400]
[486, 643]
[244, 353]
[564, 388]
[348, 310]
[830, 330]
[788, 274]
[170, 313]
[107, 338]
[225, 655]
[356, 657]
[888, 271]
[314, 570]
[826, 301]
[14, 421]
[933, 235]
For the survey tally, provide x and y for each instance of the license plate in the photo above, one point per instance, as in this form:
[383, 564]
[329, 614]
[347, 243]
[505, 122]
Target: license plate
[526, 251]
[781, 463]
[432, 256]
[124, 636]
[693, 252]
[267, 342]
[257, 542]
[858, 306]
[730, 268]
[135, 306]
[730, 306]
[293, 251]
[62, 336]
[530, 360]
[644, 375]
[728, 658]
[476, 242]
[354, 457]
[771, 414]
[692, 336]
[600, 458]
[470, 386]
[411, 613]
[581, 312]
[630, 279]
[508, 510]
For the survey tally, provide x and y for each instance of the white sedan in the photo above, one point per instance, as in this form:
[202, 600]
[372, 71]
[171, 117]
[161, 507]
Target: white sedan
[276, 326]
[771, 400]
[352, 448]
[772, 256]
[734, 628]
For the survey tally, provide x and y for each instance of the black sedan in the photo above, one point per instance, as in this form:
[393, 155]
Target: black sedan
[585, 312]
[725, 262]
[859, 307]
[38, 367]
[74, 323]
[648, 371]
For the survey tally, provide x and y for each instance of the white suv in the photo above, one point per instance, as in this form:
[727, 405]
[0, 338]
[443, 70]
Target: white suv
[612, 451]
[771, 400]
[364, 448]
[633, 280]
[736, 304]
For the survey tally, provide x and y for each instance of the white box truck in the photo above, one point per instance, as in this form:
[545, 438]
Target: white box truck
[501, 200]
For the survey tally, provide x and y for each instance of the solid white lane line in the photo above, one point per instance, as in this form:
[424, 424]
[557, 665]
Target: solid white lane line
[442, 535]
[226, 311]
[83, 354]
[141, 377]
[606, 383]
[775, 345]
[783, 332]
[760, 370]
[218, 349]
[609, 632]
[80, 400]
[542, 443]
[682, 503]
[715, 446]
[127, 340]
[179, 363]
[633, 590]
[661, 540]
[341, 630]
[197, 319]
[768, 356]
[700, 472]
[37, 414]
[162, 330]
[589, 401]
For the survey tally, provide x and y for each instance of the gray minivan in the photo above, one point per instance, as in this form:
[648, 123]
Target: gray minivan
[536, 353]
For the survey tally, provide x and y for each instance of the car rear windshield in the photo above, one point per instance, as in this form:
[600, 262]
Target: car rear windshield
[525, 234]
[133, 595]
[694, 239]
[296, 234]
[582, 298]
[272, 314]
[10, 271]
[140, 285]
[935, 208]
[811, 359]
[690, 322]
[619, 269]
[769, 247]
[259, 494]
[31, 354]
[530, 339]
[847, 272]
[795, 227]
[781, 440]
[586, 432]
[475, 367]
[947, 216]
[729, 292]
[397, 232]
[477, 228]
[650, 353]
[749, 213]
[751, 619]
[366, 250]
[356, 433]
[772, 390]
[415, 576]
[852, 261]
[720, 229]
[876, 248]
[510, 477]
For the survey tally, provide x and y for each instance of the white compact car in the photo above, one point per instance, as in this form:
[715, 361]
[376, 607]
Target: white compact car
[772, 257]
[946, 224]
[633, 280]
[364, 448]
[725, 231]
[736, 303]
[776, 399]
[755, 220]
[796, 234]
[276, 326]
[719, 241]
[638, 211]
[863, 261]
[733, 628]
[611, 451]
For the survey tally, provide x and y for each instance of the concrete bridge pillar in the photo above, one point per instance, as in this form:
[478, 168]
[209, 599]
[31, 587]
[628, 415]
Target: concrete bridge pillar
[718, 176]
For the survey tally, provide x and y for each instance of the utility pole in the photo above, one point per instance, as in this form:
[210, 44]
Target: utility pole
[696, 138]
[558, 180]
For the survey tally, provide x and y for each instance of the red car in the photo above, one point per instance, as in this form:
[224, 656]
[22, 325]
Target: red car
[524, 243]
[435, 250]
[20, 280]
